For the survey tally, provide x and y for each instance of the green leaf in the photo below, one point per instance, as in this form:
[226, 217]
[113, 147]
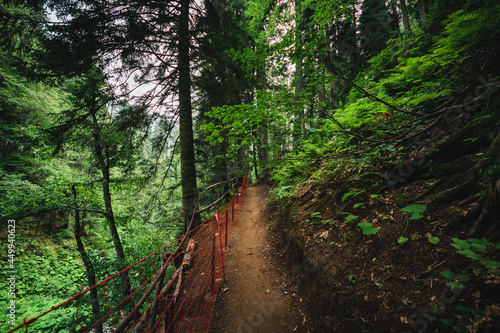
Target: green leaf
[402, 240]
[415, 210]
[471, 310]
[470, 254]
[434, 240]
[367, 228]
[353, 192]
[448, 322]
[460, 244]
[449, 275]
[492, 264]
[478, 247]
[359, 204]
[351, 218]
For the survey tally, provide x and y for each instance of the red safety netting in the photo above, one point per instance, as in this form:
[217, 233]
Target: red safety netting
[172, 290]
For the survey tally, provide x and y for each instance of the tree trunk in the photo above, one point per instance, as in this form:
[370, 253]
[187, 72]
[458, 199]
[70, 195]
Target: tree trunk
[406, 17]
[395, 18]
[322, 99]
[265, 142]
[263, 132]
[110, 217]
[87, 262]
[422, 10]
[188, 166]
[255, 153]
[84, 222]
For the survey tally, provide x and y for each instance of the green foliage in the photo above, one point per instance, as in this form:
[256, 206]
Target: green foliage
[250, 101]
[44, 280]
[433, 240]
[400, 198]
[367, 228]
[282, 194]
[402, 240]
[350, 218]
[466, 30]
[415, 210]
[353, 192]
[466, 314]
[451, 323]
[470, 246]
[456, 279]
[359, 204]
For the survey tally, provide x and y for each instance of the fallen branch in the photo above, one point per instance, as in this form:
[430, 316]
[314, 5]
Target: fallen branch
[126, 321]
[430, 268]
[217, 184]
[213, 203]
[331, 68]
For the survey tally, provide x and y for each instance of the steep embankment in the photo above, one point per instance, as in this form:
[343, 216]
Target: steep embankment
[396, 259]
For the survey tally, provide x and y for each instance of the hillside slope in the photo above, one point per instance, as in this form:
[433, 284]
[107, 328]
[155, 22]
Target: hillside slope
[395, 225]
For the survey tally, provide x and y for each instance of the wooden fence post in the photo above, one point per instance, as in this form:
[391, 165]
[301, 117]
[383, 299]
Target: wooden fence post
[169, 313]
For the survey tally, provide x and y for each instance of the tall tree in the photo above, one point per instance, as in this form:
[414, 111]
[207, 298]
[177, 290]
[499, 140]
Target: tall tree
[405, 13]
[90, 97]
[188, 164]
[152, 39]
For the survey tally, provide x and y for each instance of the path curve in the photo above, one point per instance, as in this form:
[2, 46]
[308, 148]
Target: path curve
[254, 299]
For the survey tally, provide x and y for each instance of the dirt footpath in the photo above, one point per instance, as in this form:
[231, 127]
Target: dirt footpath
[254, 297]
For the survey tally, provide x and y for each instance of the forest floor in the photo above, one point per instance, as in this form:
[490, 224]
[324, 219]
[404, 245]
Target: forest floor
[256, 296]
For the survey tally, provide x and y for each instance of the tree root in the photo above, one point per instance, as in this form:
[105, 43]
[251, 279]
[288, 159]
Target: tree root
[489, 221]
[460, 191]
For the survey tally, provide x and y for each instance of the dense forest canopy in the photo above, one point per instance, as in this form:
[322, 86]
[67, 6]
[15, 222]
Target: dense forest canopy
[114, 115]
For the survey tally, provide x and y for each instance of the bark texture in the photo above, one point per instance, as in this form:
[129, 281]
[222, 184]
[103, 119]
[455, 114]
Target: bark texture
[188, 165]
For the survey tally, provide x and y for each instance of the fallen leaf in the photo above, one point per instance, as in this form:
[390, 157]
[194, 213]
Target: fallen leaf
[495, 310]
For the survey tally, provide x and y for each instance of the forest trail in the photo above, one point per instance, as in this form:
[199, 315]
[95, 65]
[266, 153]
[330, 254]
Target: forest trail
[254, 299]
